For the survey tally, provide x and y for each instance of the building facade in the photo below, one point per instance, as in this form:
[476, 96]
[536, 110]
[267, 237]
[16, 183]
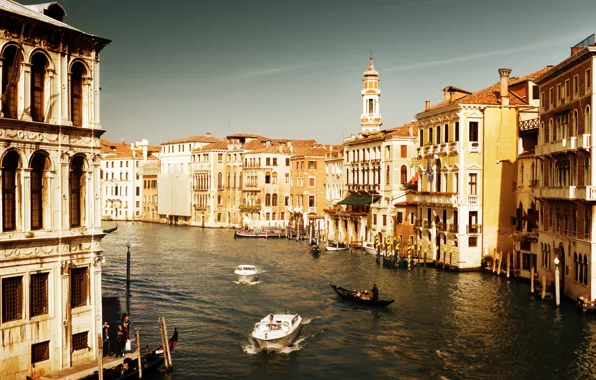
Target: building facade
[50, 235]
[566, 189]
[468, 146]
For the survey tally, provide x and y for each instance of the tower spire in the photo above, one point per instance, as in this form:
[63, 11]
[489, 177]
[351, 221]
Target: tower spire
[371, 119]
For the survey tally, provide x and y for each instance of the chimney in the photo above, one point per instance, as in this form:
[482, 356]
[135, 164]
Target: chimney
[411, 130]
[504, 74]
[427, 105]
[451, 96]
[208, 134]
[446, 94]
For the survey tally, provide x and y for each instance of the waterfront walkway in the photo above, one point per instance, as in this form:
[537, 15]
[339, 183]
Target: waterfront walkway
[87, 369]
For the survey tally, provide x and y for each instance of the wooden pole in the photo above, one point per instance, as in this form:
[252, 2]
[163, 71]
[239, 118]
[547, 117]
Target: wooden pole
[532, 279]
[163, 343]
[139, 355]
[450, 259]
[165, 331]
[99, 357]
[543, 286]
[500, 261]
[424, 257]
[508, 263]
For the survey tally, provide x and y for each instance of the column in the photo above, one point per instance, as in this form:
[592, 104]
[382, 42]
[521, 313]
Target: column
[48, 200]
[25, 93]
[63, 192]
[49, 93]
[87, 105]
[97, 193]
[25, 205]
[96, 302]
[64, 84]
[1, 78]
[66, 320]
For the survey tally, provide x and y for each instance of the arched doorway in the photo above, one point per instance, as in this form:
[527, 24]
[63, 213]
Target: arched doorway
[438, 175]
[562, 272]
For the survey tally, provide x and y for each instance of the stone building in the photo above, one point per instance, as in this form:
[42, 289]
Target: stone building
[334, 185]
[567, 172]
[50, 234]
[468, 146]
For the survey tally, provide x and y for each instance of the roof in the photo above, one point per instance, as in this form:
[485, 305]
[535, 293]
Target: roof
[220, 145]
[248, 135]
[490, 95]
[113, 147]
[356, 200]
[203, 139]
[404, 131]
[319, 151]
[401, 131]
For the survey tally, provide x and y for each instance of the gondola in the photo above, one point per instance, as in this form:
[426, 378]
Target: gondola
[110, 230]
[315, 249]
[151, 361]
[347, 295]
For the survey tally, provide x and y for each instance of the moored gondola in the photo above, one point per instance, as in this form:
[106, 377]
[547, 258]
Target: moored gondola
[151, 361]
[110, 230]
[349, 296]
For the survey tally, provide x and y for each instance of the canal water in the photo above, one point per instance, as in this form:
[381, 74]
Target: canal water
[442, 325]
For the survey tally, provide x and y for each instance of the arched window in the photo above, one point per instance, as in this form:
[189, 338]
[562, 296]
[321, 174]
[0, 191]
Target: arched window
[587, 121]
[268, 199]
[550, 130]
[38, 74]
[576, 267]
[76, 191]
[10, 164]
[403, 174]
[274, 178]
[585, 280]
[267, 177]
[542, 139]
[12, 58]
[220, 180]
[219, 199]
[76, 94]
[39, 197]
[587, 173]
[387, 175]
[574, 124]
[274, 200]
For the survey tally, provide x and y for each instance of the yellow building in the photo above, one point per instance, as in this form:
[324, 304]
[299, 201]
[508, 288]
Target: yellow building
[468, 145]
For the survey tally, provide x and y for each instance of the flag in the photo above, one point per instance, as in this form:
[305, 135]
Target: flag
[415, 178]
[429, 171]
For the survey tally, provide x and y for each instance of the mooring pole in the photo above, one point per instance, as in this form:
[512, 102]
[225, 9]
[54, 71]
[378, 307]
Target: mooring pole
[128, 278]
[99, 357]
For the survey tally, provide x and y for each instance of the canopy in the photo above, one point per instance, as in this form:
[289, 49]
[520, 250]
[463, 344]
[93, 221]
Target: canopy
[358, 200]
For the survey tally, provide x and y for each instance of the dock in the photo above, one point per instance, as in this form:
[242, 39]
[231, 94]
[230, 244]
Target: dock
[87, 369]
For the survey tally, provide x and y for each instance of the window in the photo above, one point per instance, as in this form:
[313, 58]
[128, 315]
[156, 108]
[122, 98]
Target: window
[551, 97]
[274, 200]
[219, 180]
[267, 177]
[267, 199]
[80, 341]
[384, 220]
[76, 94]
[38, 72]
[274, 161]
[588, 79]
[287, 162]
[588, 121]
[311, 181]
[39, 294]
[535, 92]
[40, 352]
[374, 219]
[79, 283]
[473, 136]
[287, 201]
[76, 183]
[400, 217]
[542, 100]
[430, 136]
[404, 151]
[311, 201]
[268, 161]
[456, 132]
[446, 132]
[575, 85]
[312, 164]
[219, 157]
[567, 89]
[287, 178]
[421, 133]
[274, 178]
[370, 106]
[10, 80]
[438, 134]
[403, 174]
[473, 190]
[9, 190]
[12, 299]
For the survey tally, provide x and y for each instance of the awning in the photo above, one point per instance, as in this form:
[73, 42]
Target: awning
[357, 200]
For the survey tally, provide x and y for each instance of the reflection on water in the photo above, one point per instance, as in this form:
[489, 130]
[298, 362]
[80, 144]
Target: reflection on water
[441, 326]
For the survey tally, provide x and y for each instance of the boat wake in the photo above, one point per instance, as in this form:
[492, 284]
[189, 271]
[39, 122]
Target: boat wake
[251, 348]
[247, 283]
[309, 320]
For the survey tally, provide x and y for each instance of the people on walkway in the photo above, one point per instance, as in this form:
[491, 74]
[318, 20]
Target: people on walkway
[120, 341]
[107, 348]
[126, 325]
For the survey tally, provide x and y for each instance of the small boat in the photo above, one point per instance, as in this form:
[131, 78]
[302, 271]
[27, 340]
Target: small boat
[151, 361]
[277, 331]
[315, 249]
[369, 248]
[336, 247]
[110, 230]
[350, 296]
[246, 273]
[260, 233]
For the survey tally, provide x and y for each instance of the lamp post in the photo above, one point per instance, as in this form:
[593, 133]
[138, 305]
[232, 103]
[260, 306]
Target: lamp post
[557, 286]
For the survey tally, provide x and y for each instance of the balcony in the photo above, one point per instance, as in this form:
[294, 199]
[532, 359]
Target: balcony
[312, 210]
[473, 200]
[474, 146]
[200, 207]
[585, 141]
[250, 208]
[559, 146]
[527, 125]
[474, 229]
[435, 198]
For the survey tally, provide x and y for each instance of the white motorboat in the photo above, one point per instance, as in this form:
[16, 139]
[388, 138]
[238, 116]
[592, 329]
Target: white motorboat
[336, 247]
[369, 248]
[277, 331]
[246, 273]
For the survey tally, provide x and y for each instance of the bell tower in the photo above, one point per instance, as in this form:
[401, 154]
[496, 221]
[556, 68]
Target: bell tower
[371, 119]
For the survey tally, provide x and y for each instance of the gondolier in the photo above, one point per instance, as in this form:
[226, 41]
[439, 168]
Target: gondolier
[375, 292]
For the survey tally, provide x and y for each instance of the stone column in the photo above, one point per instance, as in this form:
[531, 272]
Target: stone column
[1, 79]
[97, 192]
[25, 199]
[66, 320]
[87, 104]
[48, 97]
[48, 199]
[25, 93]
[64, 192]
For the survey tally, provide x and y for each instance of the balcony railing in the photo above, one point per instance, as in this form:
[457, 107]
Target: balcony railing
[527, 125]
[585, 140]
[474, 228]
[312, 210]
[473, 199]
[250, 208]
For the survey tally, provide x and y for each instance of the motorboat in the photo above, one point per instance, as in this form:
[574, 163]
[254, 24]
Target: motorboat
[336, 247]
[246, 273]
[277, 331]
[369, 248]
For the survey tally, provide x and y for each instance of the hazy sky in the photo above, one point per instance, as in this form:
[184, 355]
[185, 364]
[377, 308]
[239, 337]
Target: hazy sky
[177, 68]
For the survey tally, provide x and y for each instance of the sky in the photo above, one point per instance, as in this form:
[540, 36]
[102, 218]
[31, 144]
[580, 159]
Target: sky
[293, 69]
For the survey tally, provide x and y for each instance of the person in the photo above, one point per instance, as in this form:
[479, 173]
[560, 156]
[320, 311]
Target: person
[120, 342]
[107, 349]
[271, 322]
[126, 325]
[375, 292]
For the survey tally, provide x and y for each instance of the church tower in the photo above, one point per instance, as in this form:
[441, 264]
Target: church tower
[371, 119]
